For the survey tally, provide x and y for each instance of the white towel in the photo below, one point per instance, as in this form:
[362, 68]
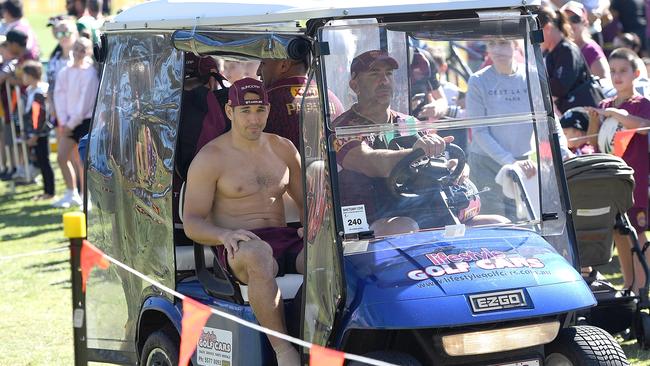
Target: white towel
[511, 189]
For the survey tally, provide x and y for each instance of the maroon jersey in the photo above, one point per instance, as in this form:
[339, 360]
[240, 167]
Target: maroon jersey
[286, 98]
[636, 156]
[357, 188]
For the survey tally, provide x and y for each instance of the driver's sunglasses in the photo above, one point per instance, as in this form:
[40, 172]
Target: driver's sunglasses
[61, 35]
[575, 19]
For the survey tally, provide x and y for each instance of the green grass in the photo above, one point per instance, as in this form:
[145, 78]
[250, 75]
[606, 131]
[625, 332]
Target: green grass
[46, 40]
[36, 326]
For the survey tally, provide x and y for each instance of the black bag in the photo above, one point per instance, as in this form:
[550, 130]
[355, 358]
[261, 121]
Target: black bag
[589, 93]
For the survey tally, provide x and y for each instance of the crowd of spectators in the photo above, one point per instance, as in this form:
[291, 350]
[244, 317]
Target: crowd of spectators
[596, 57]
[41, 104]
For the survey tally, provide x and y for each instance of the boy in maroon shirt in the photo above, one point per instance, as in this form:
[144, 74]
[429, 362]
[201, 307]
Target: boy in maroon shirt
[632, 111]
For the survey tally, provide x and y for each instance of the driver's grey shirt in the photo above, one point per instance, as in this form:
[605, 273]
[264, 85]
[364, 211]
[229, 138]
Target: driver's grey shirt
[489, 94]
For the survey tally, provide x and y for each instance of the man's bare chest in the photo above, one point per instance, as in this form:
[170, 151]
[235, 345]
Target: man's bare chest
[244, 177]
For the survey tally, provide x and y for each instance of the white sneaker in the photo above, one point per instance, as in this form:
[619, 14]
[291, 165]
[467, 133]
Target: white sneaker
[76, 199]
[71, 197]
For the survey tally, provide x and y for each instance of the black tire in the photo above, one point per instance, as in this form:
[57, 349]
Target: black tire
[397, 358]
[584, 346]
[161, 348]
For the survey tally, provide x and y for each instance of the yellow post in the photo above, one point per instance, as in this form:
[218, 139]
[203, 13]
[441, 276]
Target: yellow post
[74, 225]
[74, 228]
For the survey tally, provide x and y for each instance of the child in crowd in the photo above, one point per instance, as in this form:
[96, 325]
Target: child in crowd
[74, 99]
[574, 123]
[36, 126]
[631, 110]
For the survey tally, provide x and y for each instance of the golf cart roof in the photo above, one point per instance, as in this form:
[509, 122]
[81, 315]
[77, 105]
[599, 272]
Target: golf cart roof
[179, 14]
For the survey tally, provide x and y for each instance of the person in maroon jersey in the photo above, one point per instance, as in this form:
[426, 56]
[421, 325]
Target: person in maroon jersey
[286, 85]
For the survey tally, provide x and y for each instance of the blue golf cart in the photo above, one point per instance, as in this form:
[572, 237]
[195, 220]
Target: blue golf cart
[466, 285]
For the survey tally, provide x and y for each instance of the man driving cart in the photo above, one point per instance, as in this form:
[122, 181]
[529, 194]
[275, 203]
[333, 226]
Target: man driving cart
[366, 161]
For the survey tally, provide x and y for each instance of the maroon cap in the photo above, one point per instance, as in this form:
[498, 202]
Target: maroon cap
[247, 85]
[200, 65]
[368, 59]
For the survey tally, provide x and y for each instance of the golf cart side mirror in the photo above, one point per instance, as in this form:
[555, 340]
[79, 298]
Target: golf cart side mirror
[213, 285]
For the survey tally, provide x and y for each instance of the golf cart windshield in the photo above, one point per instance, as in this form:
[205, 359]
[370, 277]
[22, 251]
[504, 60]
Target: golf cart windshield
[393, 80]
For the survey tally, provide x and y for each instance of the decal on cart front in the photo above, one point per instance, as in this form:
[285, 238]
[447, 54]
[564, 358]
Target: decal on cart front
[486, 263]
[215, 348]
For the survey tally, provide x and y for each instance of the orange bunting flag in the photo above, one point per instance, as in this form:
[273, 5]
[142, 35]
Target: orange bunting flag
[321, 356]
[195, 315]
[622, 140]
[90, 257]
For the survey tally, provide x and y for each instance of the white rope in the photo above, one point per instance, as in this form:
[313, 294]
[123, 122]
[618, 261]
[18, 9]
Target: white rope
[245, 323]
[596, 135]
[30, 254]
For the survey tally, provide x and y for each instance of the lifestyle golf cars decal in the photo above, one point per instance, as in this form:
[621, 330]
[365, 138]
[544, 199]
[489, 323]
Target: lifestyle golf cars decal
[484, 259]
[215, 347]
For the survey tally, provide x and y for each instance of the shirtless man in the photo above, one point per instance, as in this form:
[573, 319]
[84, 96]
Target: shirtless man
[234, 201]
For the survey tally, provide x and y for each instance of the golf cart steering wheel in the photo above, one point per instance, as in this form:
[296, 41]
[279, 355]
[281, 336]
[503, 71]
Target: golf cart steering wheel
[418, 174]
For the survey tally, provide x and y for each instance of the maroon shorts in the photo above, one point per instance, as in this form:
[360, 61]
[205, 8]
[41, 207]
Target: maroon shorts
[639, 218]
[284, 241]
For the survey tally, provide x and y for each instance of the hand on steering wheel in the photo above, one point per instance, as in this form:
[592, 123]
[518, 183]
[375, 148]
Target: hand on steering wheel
[433, 145]
[417, 173]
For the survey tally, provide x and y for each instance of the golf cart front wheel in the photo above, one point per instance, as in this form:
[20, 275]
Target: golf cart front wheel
[396, 358]
[584, 346]
[160, 349]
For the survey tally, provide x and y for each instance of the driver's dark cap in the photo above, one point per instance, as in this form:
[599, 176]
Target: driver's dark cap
[577, 118]
[247, 85]
[365, 61]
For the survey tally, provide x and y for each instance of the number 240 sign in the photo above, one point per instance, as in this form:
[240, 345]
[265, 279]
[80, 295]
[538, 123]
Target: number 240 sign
[354, 219]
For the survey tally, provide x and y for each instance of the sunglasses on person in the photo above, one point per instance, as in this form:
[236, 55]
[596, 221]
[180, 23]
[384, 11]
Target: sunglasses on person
[62, 34]
[575, 19]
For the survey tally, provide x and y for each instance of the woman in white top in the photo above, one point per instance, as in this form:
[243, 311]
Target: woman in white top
[74, 99]
[66, 34]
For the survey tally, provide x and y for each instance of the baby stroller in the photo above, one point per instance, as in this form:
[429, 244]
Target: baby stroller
[601, 190]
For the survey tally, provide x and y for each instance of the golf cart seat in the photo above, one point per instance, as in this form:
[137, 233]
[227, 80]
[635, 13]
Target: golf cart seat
[289, 284]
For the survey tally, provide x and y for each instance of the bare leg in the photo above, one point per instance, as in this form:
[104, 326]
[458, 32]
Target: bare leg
[487, 220]
[254, 265]
[65, 147]
[394, 225]
[300, 262]
[79, 167]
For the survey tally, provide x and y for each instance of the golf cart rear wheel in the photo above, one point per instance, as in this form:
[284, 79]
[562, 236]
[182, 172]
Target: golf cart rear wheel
[584, 346]
[397, 358]
[160, 348]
